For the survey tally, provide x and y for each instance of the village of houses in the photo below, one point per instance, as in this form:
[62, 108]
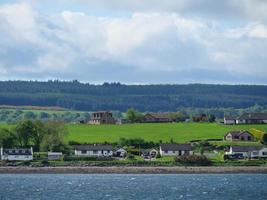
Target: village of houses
[163, 150]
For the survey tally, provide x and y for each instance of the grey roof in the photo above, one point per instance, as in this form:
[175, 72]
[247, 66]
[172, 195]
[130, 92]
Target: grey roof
[237, 133]
[92, 147]
[160, 115]
[229, 118]
[176, 147]
[24, 152]
[255, 116]
[246, 148]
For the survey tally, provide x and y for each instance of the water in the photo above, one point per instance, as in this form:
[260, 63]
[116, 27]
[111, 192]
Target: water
[114, 186]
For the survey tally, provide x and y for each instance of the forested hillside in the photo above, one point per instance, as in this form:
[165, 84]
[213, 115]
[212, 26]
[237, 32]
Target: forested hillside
[116, 96]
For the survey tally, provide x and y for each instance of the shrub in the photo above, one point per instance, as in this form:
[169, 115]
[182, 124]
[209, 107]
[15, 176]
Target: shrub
[130, 156]
[193, 160]
[77, 158]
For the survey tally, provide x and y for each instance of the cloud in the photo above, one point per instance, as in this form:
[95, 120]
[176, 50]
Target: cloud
[145, 47]
[240, 9]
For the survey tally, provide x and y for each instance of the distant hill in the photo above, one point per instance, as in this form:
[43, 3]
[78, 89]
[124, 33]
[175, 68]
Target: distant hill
[116, 96]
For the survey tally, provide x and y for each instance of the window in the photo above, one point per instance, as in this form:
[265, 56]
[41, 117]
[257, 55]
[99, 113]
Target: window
[165, 151]
[180, 152]
[255, 153]
[84, 152]
[173, 151]
[108, 151]
[249, 138]
[264, 153]
[95, 152]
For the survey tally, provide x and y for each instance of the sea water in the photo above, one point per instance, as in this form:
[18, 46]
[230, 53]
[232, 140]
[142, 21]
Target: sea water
[127, 186]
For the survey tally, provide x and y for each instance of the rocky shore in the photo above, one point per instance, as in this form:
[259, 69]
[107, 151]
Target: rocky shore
[132, 170]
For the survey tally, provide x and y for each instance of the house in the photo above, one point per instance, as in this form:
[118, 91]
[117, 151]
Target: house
[93, 150]
[238, 135]
[248, 151]
[175, 149]
[157, 117]
[54, 155]
[252, 118]
[229, 120]
[149, 153]
[16, 154]
[120, 152]
[103, 117]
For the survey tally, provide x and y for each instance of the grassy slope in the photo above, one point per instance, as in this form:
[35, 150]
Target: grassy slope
[179, 132]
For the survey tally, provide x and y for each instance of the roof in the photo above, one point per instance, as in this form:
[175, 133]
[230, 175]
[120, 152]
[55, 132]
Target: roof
[160, 115]
[237, 133]
[229, 118]
[245, 148]
[92, 147]
[176, 147]
[255, 116]
[23, 152]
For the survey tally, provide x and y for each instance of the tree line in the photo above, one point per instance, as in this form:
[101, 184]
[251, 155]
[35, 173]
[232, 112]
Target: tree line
[116, 96]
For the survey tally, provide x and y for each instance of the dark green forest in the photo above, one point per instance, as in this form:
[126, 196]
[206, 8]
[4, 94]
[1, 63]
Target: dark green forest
[116, 96]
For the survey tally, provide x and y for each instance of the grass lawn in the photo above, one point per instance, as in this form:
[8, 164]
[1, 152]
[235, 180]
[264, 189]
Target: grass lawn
[179, 132]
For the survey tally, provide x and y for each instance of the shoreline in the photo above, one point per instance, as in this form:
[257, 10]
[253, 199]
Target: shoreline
[132, 170]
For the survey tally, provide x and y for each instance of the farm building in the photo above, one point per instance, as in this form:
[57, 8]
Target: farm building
[103, 117]
[16, 154]
[157, 117]
[252, 118]
[241, 135]
[175, 149]
[229, 120]
[93, 150]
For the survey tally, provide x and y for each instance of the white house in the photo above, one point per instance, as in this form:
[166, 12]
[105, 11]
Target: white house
[252, 118]
[229, 120]
[175, 149]
[16, 154]
[121, 152]
[248, 151]
[93, 150]
[54, 155]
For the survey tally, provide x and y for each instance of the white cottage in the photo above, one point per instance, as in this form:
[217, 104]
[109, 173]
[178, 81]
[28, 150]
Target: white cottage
[248, 151]
[93, 150]
[175, 149]
[16, 154]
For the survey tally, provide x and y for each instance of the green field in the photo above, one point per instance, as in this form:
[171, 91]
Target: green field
[179, 132]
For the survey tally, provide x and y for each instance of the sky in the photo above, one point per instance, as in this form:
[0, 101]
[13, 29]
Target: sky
[134, 41]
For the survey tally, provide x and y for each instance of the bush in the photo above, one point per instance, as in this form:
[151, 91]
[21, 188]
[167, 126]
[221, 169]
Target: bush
[130, 156]
[81, 158]
[193, 160]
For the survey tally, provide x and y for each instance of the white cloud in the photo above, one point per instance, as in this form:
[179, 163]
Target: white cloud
[145, 47]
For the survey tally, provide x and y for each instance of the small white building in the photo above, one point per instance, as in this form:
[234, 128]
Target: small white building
[94, 150]
[175, 149]
[228, 120]
[248, 151]
[121, 152]
[54, 155]
[16, 154]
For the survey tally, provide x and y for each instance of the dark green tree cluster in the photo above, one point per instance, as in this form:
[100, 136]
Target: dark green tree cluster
[115, 96]
[48, 136]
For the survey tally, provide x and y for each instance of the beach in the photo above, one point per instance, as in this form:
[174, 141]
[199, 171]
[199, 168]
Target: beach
[132, 170]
